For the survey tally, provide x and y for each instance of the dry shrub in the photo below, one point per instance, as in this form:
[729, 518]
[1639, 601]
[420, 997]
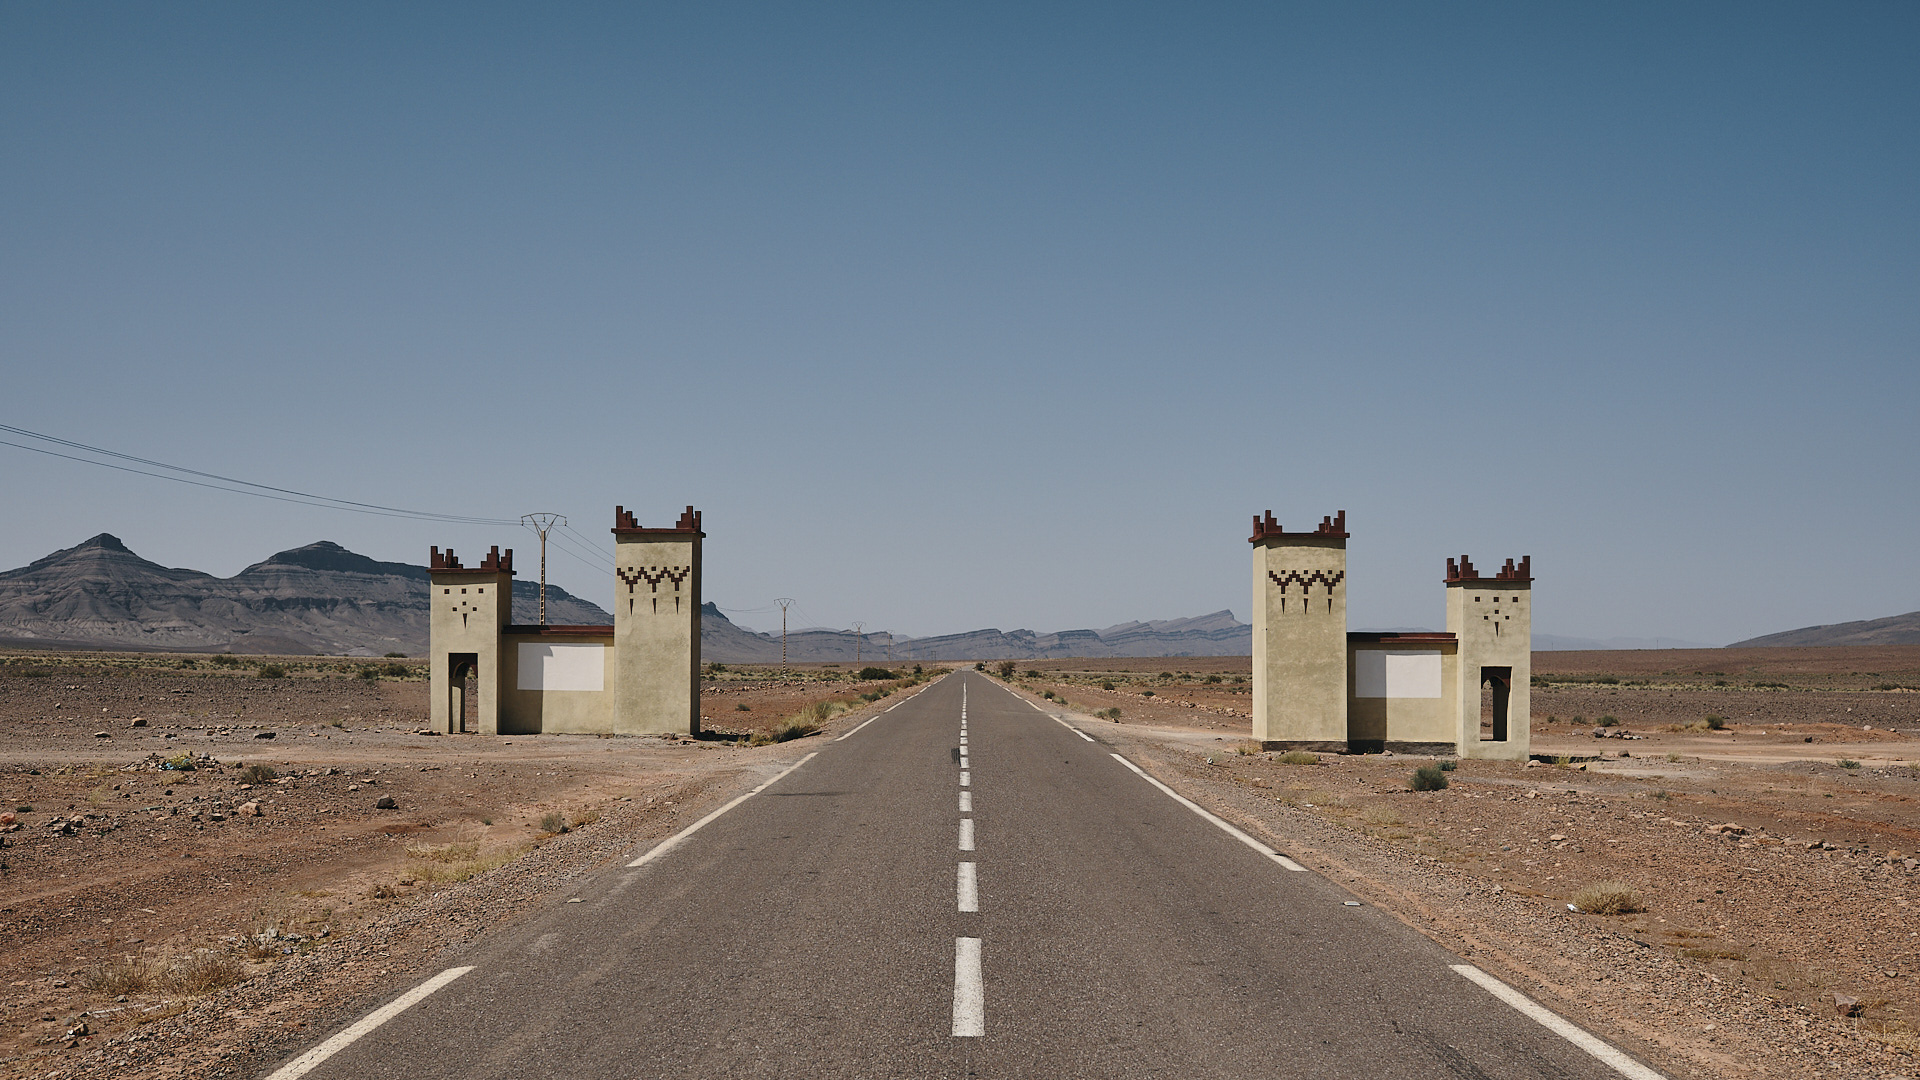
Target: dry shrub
[1298, 757]
[464, 870]
[117, 977]
[449, 853]
[1608, 898]
[202, 973]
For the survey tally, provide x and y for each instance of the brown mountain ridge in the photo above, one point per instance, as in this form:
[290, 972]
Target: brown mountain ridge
[320, 598]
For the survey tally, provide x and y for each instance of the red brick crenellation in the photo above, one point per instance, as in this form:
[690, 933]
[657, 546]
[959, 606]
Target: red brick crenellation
[1334, 528]
[1465, 572]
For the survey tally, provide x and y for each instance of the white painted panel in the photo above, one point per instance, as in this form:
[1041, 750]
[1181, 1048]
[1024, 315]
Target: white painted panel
[1381, 674]
[546, 666]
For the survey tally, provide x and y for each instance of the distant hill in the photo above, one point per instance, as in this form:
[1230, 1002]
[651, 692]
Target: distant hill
[1893, 630]
[320, 598]
[1555, 643]
[1218, 634]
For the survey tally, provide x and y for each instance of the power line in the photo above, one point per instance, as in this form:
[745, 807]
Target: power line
[246, 487]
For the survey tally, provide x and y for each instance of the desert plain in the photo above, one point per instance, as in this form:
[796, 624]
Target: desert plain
[211, 861]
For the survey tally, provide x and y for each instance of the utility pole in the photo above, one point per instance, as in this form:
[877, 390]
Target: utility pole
[857, 635]
[783, 602]
[542, 524]
[889, 646]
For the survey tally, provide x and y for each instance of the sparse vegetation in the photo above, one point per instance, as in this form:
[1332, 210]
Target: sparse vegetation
[1106, 684]
[868, 673]
[1449, 766]
[1146, 693]
[1847, 763]
[1381, 815]
[1428, 778]
[1608, 898]
[554, 823]
[1298, 757]
[1607, 721]
[1006, 669]
[258, 774]
[396, 656]
[271, 671]
[741, 706]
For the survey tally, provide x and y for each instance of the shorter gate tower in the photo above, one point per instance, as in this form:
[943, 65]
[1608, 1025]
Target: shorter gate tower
[639, 676]
[1317, 686]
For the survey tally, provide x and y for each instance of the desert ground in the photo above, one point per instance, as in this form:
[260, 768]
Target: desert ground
[160, 921]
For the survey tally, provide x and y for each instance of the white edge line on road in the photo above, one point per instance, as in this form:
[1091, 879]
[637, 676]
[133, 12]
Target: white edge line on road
[969, 996]
[1071, 728]
[968, 888]
[1616, 1060]
[1210, 816]
[856, 731]
[668, 844]
[311, 1060]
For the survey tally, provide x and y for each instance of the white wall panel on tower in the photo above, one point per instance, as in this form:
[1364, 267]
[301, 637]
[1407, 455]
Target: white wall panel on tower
[1381, 674]
[546, 666]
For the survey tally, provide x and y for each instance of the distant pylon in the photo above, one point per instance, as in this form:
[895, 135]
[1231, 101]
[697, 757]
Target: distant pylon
[783, 602]
[542, 524]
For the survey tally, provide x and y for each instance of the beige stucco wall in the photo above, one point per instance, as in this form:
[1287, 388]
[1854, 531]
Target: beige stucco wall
[1405, 723]
[1493, 621]
[1300, 644]
[655, 671]
[469, 609]
[564, 712]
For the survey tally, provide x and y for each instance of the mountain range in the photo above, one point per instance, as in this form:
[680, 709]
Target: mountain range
[322, 598]
[1892, 630]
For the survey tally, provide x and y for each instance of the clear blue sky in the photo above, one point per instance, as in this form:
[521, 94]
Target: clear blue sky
[990, 315]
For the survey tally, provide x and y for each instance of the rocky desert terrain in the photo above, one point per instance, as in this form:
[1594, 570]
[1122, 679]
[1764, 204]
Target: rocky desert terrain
[1771, 849]
[199, 862]
[164, 921]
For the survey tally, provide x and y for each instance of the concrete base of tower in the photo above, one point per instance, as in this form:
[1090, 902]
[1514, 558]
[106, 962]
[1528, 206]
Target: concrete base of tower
[1311, 746]
[1375, 746]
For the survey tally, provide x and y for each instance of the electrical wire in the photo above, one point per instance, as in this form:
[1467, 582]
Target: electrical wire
[263, 491]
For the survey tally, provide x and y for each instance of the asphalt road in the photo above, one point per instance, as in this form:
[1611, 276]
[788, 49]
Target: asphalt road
[820, 929]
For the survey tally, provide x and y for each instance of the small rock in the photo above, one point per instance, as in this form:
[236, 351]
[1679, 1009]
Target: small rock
[103, 734]
[1844, 1005]
[386, 803]
[248, 809]
[1556, 838]
[138, 721]
[265, 734]
[1531, 764]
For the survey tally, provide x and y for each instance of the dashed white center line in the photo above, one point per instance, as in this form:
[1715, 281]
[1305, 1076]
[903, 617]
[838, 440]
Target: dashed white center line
[1210, 816]
[969, 888]
[966, 779]
[966, 802]
[311, 1060]
[966, 834]
[1616, 1060]
[969, 995]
